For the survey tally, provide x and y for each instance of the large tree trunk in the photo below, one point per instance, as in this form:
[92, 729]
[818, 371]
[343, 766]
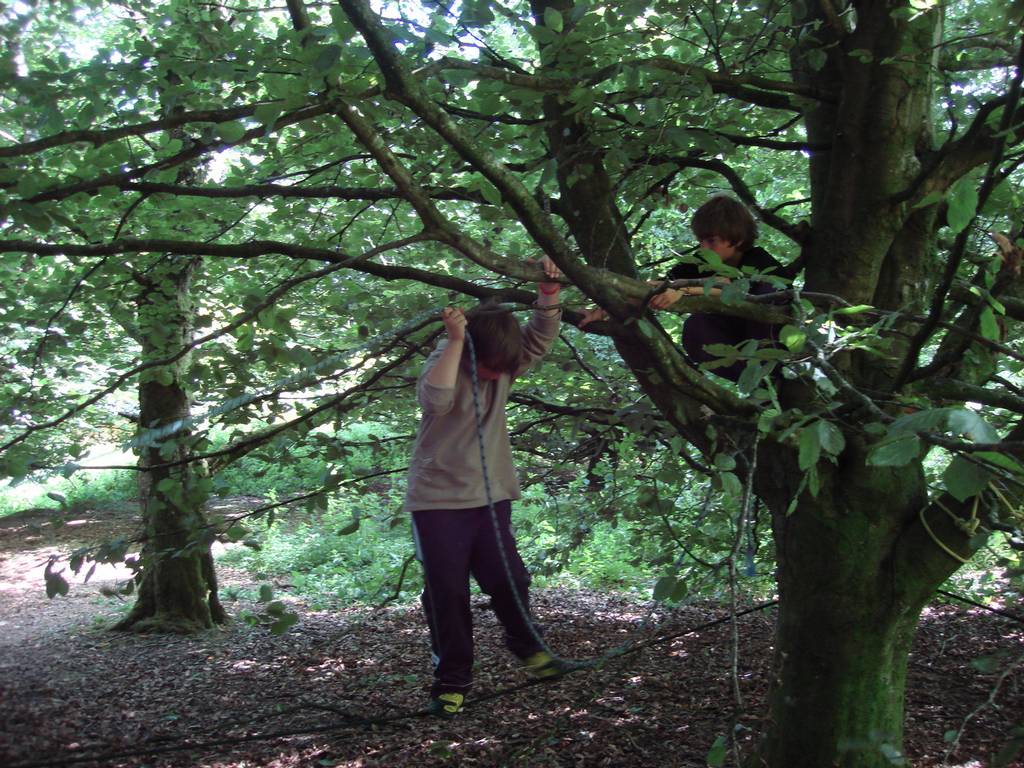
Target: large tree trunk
[177, 581]
[177, 585]
[855, 565]
[854, 572]
[838, 697]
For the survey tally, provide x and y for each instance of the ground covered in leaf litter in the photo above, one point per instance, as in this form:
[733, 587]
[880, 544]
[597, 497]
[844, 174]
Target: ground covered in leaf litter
[74, 693]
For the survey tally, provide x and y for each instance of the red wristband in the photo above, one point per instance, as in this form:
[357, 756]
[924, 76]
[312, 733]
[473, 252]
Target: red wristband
[546, 292]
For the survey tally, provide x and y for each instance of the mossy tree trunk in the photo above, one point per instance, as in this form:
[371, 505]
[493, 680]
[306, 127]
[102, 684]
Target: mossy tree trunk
[855, 568]
[177, 588]
[177, 583]
[856, 564]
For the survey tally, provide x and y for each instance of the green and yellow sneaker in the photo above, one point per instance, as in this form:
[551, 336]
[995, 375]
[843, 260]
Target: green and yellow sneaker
[544, 666]
[446, 704]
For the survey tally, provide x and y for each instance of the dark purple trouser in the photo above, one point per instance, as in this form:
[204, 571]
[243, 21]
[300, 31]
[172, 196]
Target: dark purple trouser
[703, 328]
[451, 544]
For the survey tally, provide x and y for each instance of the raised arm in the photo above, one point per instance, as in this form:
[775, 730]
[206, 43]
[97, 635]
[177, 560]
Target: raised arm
[542, 328]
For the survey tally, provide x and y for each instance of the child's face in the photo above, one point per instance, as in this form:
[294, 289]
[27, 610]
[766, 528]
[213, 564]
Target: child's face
[726, 249]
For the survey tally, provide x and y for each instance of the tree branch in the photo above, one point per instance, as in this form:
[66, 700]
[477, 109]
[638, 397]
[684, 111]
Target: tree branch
[795, 232]
[197, 150]
[987, 185]
[269, 300]
[288, 191]
[407, 90]
[100, 137]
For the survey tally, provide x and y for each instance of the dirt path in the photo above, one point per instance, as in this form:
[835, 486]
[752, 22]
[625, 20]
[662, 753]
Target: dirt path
[70, 689]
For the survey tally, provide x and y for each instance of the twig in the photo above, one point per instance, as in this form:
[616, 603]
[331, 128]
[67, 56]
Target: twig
[401, 579]
[989, 702]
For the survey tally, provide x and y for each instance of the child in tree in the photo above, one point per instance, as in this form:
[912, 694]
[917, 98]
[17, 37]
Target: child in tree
[725, 226]
[452, 525]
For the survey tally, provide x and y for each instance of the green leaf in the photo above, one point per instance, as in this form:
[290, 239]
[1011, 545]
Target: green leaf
[553, 19]
[716, 755]
[813, 481]
[731, 485]
[266, 593]
[267, 114]
[230, 131]
[810, 447]
[283, 624]
[963, 202]
[792, 337]
[856, 309]
[963, 421]
[476, 14]
[830, 437]
[930, 199]
[897, 451]
[340, 22]
[735, 292]
[490, 193]
[33, 215]
[989, 326]
[964, 479]
[753, 373]
[328, 56]
[725, 462]
[925, 419]
[664, 587]
[816, 59]
[1000, 460]
[168, 485]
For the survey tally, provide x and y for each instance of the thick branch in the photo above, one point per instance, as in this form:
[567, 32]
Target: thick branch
[951, 389]
[100, 137]
[756, 90]
[406, 89]
[285, 190]
[185, 156]
[988, 183]
[961, 292]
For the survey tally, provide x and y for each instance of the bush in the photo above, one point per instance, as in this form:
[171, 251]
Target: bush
[341, 555]
[82, 490]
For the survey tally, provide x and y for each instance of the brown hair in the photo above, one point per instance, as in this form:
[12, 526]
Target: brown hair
[724, 217]
[497, 338]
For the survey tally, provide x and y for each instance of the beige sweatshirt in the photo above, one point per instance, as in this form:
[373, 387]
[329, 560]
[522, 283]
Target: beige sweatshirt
[445, 470]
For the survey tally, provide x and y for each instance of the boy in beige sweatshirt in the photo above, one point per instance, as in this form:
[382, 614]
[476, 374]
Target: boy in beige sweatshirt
[452, 524]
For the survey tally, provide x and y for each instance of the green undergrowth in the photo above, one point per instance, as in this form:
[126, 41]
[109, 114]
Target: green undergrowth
[83, 490]
[355, 551]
